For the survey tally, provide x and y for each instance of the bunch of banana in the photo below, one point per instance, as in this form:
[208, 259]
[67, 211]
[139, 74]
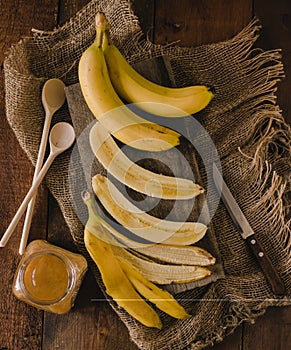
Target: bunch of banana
[106, 77]
[142, 224]
[123, 169]
[112, 113]
[124, 283]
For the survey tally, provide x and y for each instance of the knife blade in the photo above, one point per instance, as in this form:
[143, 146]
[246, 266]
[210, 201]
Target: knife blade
[247, 233]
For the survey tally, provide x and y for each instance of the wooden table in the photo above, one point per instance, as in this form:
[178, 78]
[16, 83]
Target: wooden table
[92, 325]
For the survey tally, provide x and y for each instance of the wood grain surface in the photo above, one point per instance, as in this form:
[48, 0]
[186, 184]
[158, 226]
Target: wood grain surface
[93, 325]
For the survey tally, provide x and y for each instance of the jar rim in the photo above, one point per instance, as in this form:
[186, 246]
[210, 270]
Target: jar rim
[69, 269]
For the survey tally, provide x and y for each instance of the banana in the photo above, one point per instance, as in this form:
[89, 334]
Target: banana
[151, 97]
[115, 281]
[122, 282]
[117, 284]
[189, 255]
[142, 224]
[123, 169]
[161, 298]
[107, 107]
[161, 273]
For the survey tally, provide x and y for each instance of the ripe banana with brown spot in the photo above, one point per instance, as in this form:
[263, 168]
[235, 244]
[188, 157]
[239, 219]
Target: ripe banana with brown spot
[142, 224]
[108, 108]
[132, 175]
[152, 97]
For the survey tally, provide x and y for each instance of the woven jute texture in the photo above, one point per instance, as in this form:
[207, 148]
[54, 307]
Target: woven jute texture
[245, 124]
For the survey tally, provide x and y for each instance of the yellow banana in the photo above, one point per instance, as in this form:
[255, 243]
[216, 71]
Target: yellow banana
[142, 224]
[115, 281]
[161, 273]
[107, 107]
[152, 97]
[142, 180]
[173, 254]
[117, 284]
[161, 298]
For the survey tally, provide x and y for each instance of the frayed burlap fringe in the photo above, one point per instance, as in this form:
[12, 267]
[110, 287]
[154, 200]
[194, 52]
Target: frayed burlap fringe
[246, 126]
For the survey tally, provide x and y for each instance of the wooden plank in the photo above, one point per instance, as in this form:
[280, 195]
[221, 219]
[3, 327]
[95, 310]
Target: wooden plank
[145, 11]
[272, 332]
[20, 324]
[275, 17]
[199, 22]
[68, 8]
[231, 342]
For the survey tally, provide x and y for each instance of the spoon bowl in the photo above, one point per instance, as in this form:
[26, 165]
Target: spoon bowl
[62, 136]
[53, 95]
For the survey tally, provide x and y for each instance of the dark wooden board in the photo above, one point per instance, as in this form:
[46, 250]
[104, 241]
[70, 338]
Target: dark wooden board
[93, 324]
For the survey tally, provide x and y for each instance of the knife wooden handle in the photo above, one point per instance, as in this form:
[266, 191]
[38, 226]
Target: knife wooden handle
[267, 266]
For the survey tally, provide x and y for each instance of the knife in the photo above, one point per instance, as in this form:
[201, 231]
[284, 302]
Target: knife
[247, 233]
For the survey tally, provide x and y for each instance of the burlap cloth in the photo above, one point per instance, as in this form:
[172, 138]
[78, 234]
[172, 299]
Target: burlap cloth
[245, 124]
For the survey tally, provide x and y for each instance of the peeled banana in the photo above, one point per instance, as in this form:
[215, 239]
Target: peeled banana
[161, 298]
[173, 254]
[116, 282]
[142, 224]
[161, 273]
[122, 282]
[123, 169]
[151, 97]
[107, 107]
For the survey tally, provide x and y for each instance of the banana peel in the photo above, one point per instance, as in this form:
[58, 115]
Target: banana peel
[117, 283]
[161, 298]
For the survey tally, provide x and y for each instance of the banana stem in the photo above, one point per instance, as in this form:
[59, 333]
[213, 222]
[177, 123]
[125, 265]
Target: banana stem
[89, 201]
[101, 21]
[86, 195]
[102, 31]
[94, 222]
[99, 37]
[106, 40]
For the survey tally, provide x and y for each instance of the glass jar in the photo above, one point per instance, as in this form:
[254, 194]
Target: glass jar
[49, 277]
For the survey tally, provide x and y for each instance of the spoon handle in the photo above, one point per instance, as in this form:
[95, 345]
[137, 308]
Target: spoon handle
[27, 198]
[39, 163]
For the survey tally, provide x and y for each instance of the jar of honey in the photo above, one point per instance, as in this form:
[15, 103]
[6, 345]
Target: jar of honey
[49, 277]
